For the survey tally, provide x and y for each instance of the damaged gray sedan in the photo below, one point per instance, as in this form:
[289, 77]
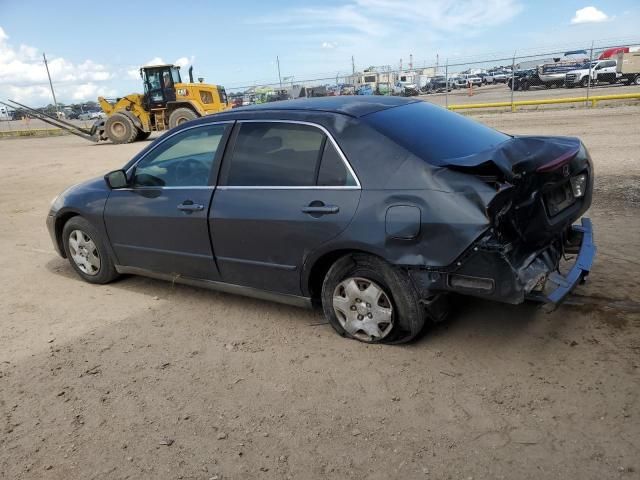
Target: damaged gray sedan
[374, 208]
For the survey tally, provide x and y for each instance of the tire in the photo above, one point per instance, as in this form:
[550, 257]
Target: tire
[584, 82]
[637, 80]
[78, 233]
[120, 129]
[180, 116]
[142, 135]
[400, 315]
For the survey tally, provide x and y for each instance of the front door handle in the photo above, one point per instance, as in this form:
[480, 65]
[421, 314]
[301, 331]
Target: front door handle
[188, 206]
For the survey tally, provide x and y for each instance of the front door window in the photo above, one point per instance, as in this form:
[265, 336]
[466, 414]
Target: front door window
[184, 160]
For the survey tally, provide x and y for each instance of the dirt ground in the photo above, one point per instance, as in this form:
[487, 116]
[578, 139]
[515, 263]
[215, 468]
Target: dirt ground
[143, 379]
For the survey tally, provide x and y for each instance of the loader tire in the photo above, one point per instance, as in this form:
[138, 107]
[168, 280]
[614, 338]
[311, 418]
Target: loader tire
[180, 116]
[142, 135]
[120, 129]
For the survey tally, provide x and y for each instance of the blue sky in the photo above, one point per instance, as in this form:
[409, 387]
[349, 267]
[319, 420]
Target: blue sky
[96, 47]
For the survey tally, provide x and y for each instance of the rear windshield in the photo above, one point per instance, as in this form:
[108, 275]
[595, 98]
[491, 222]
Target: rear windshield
[433, 133]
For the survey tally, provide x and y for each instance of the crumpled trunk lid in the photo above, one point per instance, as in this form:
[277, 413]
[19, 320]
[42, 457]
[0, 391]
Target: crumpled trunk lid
[532, 175]
[521, 155]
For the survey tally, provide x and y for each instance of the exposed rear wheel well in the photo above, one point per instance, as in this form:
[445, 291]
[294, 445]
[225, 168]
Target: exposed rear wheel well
[60, 223]
[321, 267]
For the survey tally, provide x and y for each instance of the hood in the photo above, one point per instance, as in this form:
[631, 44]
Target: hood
[520, 155]
[94, 185]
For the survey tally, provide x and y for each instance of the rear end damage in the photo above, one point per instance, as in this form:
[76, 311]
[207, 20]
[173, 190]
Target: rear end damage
[543, 185]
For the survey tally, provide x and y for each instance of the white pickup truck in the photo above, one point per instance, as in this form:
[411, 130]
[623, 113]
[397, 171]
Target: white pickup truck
[601, 71]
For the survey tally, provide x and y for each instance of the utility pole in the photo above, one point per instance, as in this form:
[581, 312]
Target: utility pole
[589, 80]
[513, 77]
[55, 102]
[446, 84]
[353, 65]
[279, 77]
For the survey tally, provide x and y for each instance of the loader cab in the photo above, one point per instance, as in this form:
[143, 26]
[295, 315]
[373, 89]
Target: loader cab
[159, 85]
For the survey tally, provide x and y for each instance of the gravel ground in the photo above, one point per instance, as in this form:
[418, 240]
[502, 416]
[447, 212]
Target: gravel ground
[143, 379]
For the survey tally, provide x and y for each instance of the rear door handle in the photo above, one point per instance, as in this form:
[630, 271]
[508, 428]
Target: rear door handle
[188, 206]
[321, 209]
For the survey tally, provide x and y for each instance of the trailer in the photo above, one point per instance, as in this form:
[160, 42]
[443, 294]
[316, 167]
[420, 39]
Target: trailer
[629, 67]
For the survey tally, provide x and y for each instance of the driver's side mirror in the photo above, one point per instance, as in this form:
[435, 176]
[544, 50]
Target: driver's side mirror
[116, 179]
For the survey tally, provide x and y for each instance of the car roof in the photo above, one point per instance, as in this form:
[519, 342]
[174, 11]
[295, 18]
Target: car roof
[352, 105]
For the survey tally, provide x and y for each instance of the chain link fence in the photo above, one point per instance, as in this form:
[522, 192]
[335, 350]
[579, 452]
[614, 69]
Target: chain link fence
[575, 74]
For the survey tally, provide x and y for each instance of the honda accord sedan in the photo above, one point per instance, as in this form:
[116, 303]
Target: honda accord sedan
[374, 208]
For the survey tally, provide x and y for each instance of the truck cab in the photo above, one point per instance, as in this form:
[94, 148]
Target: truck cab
[601, 71]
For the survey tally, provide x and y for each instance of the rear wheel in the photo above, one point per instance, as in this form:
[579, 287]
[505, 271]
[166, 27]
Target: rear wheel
[366, 299]
[120, 129]
[87, 252]
[180, 116]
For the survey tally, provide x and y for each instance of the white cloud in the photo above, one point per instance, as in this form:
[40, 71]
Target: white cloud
[184, 61]
[155, 61]
[329, 45]
[589, 15]
[23, 76]
[382, 17]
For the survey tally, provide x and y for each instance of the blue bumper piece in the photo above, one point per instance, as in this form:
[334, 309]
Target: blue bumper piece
[580, 269]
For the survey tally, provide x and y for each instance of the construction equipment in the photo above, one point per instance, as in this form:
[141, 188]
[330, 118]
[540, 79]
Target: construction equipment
[88, 134]
[166, 103]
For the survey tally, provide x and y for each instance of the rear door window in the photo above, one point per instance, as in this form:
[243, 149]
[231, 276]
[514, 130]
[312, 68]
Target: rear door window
[274, 154]
[333, 171]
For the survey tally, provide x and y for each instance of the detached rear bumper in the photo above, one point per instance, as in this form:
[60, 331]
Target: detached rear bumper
[495, 272]
[559, 286]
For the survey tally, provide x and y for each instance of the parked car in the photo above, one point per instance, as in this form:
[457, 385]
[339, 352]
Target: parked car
[458, 82]
[347, 89]
[405, 89]
[437, 84]
[474, 80]
[91, 115]
[373, 208]
[525, 79]
[365, 89]
[553, 74]
[601, 71]
[497, 76]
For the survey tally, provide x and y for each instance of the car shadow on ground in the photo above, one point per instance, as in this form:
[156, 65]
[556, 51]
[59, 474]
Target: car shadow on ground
[468, 316]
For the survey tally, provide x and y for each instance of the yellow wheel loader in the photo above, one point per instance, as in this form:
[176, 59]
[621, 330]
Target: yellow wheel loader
[166, 103]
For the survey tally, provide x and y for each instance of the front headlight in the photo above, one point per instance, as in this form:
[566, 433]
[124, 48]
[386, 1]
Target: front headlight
[579, 185]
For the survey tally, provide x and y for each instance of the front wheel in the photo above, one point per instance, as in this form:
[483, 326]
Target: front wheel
[87, 252]
[120, 129]
[366, 299]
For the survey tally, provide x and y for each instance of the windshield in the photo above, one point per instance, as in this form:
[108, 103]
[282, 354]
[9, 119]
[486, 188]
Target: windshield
[433, 133]
[175, 74]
